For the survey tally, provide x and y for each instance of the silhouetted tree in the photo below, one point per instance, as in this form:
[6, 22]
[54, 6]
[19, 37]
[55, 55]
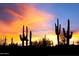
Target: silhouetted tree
[57, 30]
[67, 34]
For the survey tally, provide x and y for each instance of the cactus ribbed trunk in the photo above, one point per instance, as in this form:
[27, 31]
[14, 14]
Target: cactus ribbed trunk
[67, 41]
[26, 43]
[22, 43]
[68, 31]
[26, 36]
[58, 39]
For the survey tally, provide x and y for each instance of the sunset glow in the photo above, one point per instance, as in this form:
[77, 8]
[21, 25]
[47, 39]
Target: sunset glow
[39, 21]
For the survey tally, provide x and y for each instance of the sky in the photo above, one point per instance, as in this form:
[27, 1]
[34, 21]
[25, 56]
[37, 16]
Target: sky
[40, 19]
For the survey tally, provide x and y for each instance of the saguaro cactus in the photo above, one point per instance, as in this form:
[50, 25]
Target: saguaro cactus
[57, 30]
[68, 34]
[30, 38]
[11, 40]
[5, 41]
[24, 37]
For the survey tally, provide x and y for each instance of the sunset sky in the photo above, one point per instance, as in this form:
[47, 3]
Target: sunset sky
[40, 19]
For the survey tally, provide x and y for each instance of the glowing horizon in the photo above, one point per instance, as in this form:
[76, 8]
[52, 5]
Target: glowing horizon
[39, 20]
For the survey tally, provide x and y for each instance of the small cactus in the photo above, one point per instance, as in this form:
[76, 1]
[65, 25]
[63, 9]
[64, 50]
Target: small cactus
[44, 41]
[30, 38]
[5, 41]
[57, 30]
[11, 40]
[67, 34]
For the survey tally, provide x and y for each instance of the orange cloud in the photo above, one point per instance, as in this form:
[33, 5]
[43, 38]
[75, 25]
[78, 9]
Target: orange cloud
[28, 15]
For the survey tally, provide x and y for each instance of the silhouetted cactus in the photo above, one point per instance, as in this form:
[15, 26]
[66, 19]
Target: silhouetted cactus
[5, 41]
[44, 41]
[68, 34]
[57, 30]
[24, 37]
[11, 40]
[30, 38]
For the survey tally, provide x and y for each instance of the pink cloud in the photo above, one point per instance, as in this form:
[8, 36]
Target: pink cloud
[30, 16]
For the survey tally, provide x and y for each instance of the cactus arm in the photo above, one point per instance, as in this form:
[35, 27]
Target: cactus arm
[55, 29]
[64, 32]
[68, 29]
[26, 31]
[71, 35]
[57, 22]
[21, 37]
[23, 31]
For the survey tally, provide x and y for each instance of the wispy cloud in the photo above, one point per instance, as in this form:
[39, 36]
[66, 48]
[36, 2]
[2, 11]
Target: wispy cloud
[28, 15]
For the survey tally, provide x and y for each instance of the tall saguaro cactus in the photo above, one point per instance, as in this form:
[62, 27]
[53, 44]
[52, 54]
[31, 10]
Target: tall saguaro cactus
[24, 37]
[30, 38]
[68, 34]
[57, 30]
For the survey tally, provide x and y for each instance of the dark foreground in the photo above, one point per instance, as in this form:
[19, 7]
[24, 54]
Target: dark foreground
[40, 51]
